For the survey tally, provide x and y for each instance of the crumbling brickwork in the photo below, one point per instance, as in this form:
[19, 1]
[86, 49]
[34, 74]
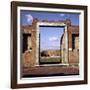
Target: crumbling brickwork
[73, 45]
[30, 45]
[29, 55]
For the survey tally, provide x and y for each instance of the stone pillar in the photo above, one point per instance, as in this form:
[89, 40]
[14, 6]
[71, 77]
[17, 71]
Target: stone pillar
[62, 48]
[37, 44]
[62, 54]
[66, 46]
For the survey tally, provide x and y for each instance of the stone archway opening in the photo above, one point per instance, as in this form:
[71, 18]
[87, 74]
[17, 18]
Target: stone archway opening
[49, 44]
[64, 56]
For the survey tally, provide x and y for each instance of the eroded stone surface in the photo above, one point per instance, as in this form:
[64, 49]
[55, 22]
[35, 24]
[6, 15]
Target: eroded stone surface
[69, 54]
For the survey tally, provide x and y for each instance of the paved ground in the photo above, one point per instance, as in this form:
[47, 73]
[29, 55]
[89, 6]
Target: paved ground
[40, 71]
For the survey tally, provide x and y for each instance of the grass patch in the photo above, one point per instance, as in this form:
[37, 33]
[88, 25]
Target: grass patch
[50, 60]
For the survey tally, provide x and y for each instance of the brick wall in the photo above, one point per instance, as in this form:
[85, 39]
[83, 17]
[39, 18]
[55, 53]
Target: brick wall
[73, 52]
[29, 55]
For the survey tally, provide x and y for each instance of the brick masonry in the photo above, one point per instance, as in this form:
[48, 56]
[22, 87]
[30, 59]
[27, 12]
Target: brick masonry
[29, 54]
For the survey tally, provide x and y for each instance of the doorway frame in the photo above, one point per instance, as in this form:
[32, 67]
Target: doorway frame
[56, 24]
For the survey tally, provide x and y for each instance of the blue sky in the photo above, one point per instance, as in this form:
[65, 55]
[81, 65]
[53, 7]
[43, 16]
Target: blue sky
[28, 16]
[50, 37]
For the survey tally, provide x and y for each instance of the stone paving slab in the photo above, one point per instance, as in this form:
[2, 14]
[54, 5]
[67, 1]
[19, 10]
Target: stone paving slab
[50, 71]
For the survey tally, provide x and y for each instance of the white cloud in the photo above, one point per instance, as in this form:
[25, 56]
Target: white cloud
[53, 39]
[29, 18]
[62, 15]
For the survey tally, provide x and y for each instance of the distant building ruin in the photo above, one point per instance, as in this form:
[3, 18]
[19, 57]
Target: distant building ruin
[69, 42]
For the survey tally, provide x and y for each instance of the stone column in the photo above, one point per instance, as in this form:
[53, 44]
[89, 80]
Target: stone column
[62, 48]
[37, 44]
[66, 46]
[62, 53]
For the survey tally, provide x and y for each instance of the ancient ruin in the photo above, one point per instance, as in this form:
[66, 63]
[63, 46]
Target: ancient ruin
[69, 42]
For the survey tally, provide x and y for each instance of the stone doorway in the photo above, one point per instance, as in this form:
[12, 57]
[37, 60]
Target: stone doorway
[49, 44]
[52, 24]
